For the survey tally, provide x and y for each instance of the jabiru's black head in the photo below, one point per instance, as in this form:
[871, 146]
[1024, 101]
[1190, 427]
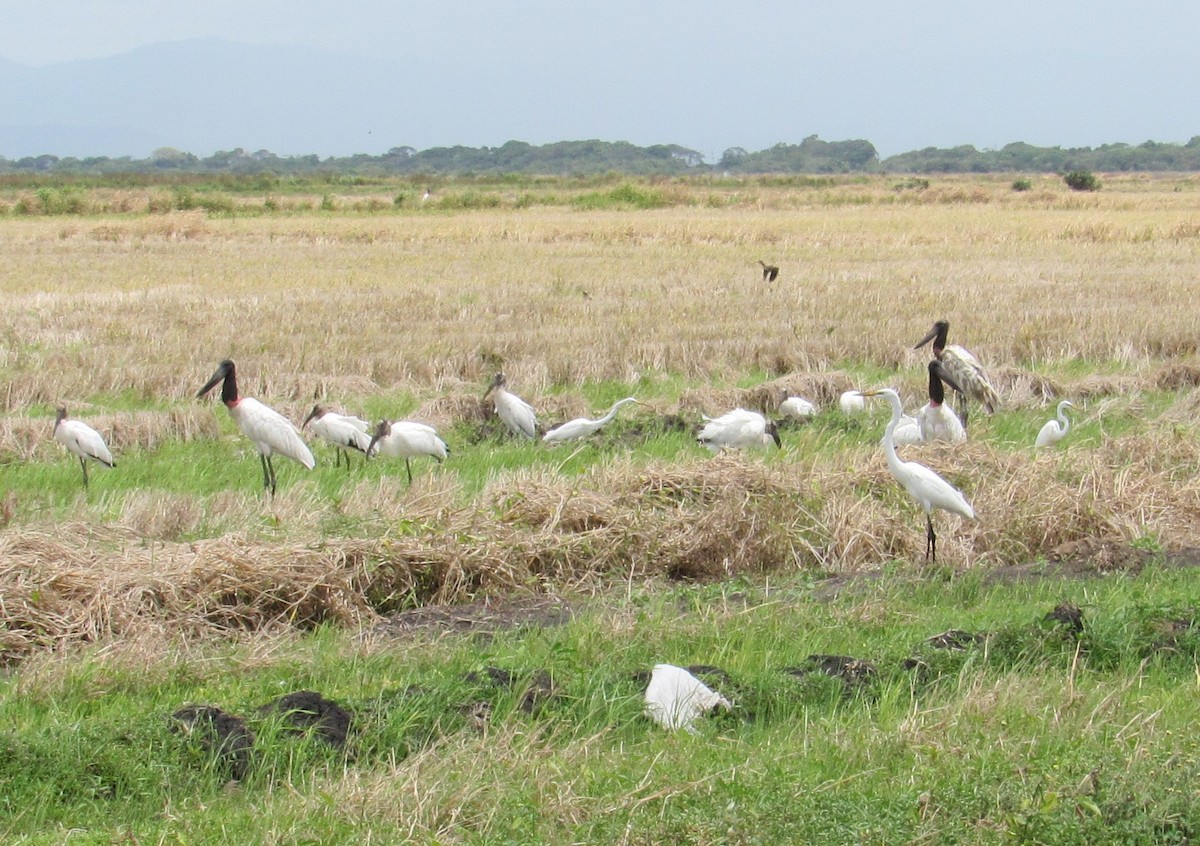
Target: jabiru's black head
[498, 381]
[227, 372]
[937, 375]
[318, 411]
[382, 429]
[773, 431]
[938, 335]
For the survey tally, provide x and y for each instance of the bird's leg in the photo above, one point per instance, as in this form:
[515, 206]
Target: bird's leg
[930, 540]
[408, 467]
[83, 464]
[267, 485]
[962, 410]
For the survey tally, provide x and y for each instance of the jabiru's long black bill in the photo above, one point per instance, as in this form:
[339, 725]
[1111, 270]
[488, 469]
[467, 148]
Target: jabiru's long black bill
[939, 331]
[225, 372]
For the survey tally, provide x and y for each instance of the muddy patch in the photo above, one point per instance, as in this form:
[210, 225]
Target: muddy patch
[488, 617]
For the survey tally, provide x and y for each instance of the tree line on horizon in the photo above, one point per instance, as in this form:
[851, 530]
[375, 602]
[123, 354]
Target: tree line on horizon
[587, 158]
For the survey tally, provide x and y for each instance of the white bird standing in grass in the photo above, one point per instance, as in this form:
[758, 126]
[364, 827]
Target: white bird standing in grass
[344, 432]
[267, 429]
[82, 440]
[935, 420]
[738, 429]
[1055, 430]
[517, 414]
[851, 402]
[963, 368]
[581, 427]
[922, 484]
[407, 439]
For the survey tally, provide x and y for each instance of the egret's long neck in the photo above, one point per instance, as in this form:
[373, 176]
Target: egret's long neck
[612, 412]
[1063, 420]
[889, 443]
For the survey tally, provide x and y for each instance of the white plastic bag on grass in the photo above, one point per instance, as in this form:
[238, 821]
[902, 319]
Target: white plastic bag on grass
[676, 699]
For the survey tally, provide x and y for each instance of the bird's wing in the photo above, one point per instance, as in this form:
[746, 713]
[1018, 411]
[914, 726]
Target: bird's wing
[267, 427]
[966, 370]
[927, 486]
[88, 441]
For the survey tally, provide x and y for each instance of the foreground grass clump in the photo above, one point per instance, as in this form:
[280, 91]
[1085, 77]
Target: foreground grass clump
[1037, 730]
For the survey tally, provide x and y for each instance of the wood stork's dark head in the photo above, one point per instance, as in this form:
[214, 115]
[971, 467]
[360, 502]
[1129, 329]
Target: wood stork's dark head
[938, 335]
[318, 411]
[498, 381]
[60, 416]
[773, 431]
[382, 429]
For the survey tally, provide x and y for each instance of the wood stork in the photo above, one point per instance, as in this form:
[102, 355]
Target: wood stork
[517, 414]
[344, 432]
[267, 429]
[407, 439]
[936, 421]
[964, 369]
[851, 402]
[770, 271]
[738, 429]
[922, 484]
[1055, 430]
[581, 427]
[82, 440]
[797, 407]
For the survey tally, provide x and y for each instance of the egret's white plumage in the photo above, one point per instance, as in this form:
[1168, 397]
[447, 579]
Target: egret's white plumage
[81, 440]
[937, 421]
[1055, 430]
[267, 429]
[407, 439]
[925, 486]
[851, 402]
[738, 429]
[518, 415]
[908, 432]
[797, 407]
[963, 368]
[341, 430]
[581, 427]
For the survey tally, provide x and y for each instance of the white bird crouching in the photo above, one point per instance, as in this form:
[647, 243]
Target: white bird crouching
[925, 486]
[675, 698]
[851, 402]
[267, 429]
[518, 415]
[81, 440]
[407, 439]
[581, 427]
[797, 407]
[738, 429]
[1055, 430]
[342, 431]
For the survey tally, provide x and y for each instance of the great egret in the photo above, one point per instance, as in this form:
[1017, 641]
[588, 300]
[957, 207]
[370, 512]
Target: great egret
[344, 432]
[770, 271]
[82, 440]
[1055, 430]
[407, 439]
[581, 427]
[737, 429]
[517, 414]
[267, 429]
[964, 369]
[926, 487]
[935, 421]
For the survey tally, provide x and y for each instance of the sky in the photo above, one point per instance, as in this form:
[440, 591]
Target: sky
[712, 75]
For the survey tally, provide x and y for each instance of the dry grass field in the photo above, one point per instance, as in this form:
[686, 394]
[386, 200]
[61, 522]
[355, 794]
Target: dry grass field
[124, 315]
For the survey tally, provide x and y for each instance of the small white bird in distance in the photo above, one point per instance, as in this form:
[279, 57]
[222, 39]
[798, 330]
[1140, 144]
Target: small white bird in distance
[407, 439]
[1055, 430]
[797, 407]
[581, 427]
[517, 414]
[81, 440]
[675, 698]
[851, 402]
[925, 486]
[738, 429]
[341, 430]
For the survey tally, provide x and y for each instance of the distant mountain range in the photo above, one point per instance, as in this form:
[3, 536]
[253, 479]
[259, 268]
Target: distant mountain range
[203, 95]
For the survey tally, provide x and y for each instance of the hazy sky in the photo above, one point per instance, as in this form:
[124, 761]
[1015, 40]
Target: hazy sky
[904, 75]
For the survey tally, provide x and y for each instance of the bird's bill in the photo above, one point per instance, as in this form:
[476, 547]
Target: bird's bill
[932, 334]
[316, 412]
[382, 429]
[774, 433]
[220, 374]
[874, 392]
[497, 381]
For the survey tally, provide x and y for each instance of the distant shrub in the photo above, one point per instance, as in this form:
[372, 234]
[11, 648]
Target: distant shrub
[623, 196]
[1021, 185]
[915, 183]
[327, 203]
[1082, 180]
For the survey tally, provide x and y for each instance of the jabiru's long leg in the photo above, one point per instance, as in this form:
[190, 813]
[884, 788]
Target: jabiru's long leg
[930, 540]
[268, 474]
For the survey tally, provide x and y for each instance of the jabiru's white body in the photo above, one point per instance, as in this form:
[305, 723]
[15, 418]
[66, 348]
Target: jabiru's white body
[963, 368]
[518, 415]
[936, 421]
[797, 407]
[925, 486]
[407, 439]
[1055, 430]
[267, 429]
[581, 427]
[738, 429]
[343, 431]
[81, 440]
